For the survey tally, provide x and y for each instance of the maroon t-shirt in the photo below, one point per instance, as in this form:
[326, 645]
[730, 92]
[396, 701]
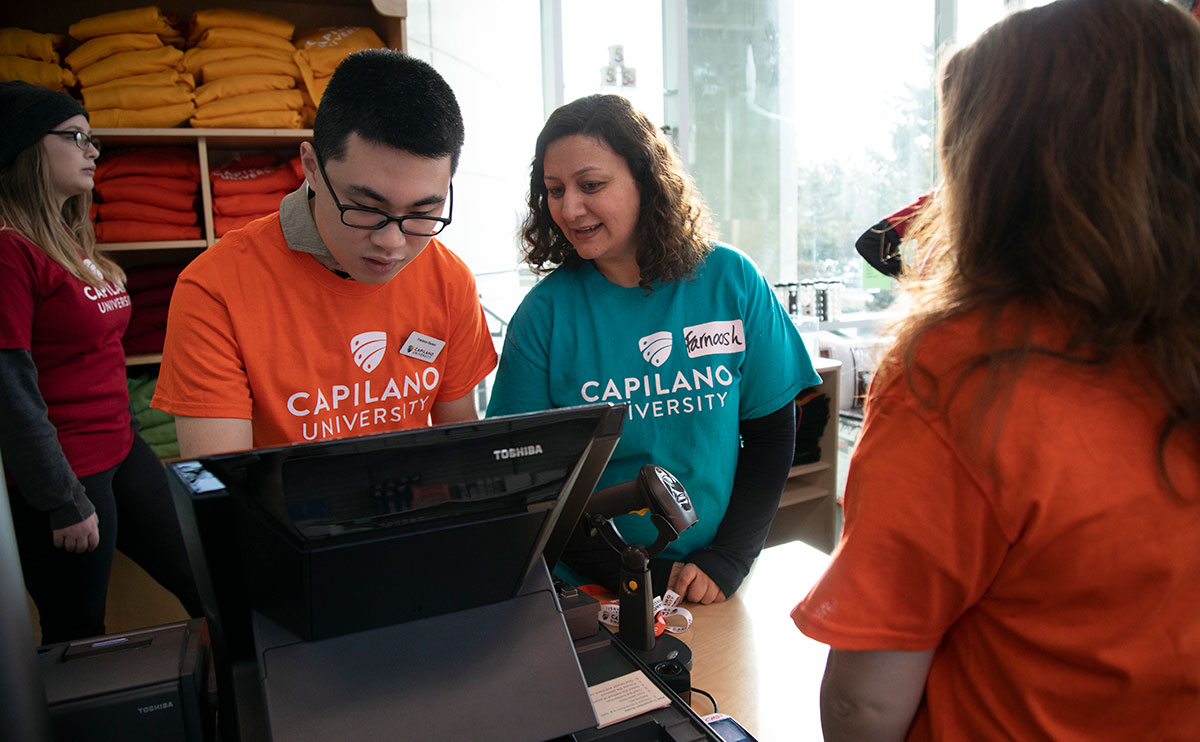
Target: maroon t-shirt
[73, 332]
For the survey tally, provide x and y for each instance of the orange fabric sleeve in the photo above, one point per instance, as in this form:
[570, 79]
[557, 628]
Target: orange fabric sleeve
[20, 42]
[126, 64]
[228, 87]
[135, 231]
[159, 117]
[129, 210]
[93, 50]
[138, 20]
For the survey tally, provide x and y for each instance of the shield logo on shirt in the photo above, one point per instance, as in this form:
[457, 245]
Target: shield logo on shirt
[368, 349]
[656, 348]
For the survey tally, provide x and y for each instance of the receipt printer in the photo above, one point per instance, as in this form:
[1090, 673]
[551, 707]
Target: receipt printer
[146, 684]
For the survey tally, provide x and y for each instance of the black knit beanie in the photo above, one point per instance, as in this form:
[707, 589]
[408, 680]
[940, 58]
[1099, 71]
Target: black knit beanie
[27, 112]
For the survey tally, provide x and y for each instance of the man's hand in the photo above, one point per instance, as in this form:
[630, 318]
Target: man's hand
[690, 582]
[81, 537]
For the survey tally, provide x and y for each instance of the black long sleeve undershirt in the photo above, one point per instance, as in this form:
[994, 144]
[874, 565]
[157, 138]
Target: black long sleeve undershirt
[29, 443]
[768, 445]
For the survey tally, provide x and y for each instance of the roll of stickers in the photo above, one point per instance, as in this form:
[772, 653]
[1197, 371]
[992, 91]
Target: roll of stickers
[668, 615]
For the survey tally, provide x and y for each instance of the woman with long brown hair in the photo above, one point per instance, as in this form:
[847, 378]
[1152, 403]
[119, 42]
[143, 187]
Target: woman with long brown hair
[75, 465]
[1020, 557]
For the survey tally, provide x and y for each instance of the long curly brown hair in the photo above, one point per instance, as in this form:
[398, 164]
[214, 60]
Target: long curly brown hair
[673, 229]
[1070, 148]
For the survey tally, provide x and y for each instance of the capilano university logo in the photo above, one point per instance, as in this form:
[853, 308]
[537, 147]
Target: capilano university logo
[368, 349]
[656, 348]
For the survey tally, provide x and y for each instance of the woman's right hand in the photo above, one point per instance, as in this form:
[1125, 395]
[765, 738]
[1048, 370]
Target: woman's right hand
[81, 537]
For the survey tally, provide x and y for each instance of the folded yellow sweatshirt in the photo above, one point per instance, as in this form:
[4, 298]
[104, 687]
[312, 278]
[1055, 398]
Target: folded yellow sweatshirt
[135, 97]
[93, 50]
[248, 66]
[20, 42]
[271, 100]
[165, 77]
[324, 48]
[259, 120]
[228, 87]
[127, 64]
[202, 20]
[45, 74]
[220, 38]
[139, 20]
[159, 117]
[195, 58]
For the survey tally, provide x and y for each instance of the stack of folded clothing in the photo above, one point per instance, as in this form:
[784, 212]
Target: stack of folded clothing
[812, 415]
[130, 74]
[249, 188]
[156, 427]
[147, 193]
[244, 60]
[319, 52]
[34, 58]
[149, 288]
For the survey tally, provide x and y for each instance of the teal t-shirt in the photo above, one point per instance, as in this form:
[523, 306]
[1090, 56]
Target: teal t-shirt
[691, 359]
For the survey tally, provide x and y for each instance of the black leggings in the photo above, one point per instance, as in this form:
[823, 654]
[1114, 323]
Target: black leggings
[136, 515]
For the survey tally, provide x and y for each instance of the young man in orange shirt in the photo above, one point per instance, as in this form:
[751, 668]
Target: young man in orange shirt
[341, 314]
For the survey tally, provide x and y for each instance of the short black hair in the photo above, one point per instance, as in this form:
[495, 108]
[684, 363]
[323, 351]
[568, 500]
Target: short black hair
[392, 99]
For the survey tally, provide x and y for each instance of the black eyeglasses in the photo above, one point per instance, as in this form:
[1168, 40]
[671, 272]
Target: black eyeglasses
[363, 217]
[82, 141]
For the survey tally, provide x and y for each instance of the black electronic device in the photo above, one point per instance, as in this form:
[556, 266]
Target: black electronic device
[148, 683]
[361, 537]
[658, 491]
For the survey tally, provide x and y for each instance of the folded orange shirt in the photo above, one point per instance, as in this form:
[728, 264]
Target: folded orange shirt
[254, 65]
[163, 77]
[118, 210]
[159, 117]
[262, 120]
[135, 97]
[297, 168]
[20, 42]
[248, 203]
[126, 64]
[194, 59]
[93, 50]
[268, 100]
[228, 181]
[127, 230]
[202, 20]
[223, 224]
[45, 74]
[228, 87]
[172, 162]
[138, 20]
[219, 38]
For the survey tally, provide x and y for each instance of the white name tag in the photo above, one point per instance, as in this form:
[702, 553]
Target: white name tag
[422, 347]
[715, 337]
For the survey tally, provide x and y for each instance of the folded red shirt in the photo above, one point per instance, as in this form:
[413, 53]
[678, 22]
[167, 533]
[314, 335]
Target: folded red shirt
[118, 210]
[127, 230]
[178, 162]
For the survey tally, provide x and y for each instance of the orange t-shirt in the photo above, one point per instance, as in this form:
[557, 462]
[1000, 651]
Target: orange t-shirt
[1063, 603]
[262, 332]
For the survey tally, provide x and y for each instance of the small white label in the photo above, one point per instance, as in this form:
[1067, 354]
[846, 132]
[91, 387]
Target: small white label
[422, 347]
[715, 337]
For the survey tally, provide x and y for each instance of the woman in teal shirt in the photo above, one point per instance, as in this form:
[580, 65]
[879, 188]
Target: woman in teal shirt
[641, 307]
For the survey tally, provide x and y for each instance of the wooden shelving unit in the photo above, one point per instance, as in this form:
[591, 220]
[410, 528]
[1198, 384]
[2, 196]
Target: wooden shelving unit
[808, 509]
